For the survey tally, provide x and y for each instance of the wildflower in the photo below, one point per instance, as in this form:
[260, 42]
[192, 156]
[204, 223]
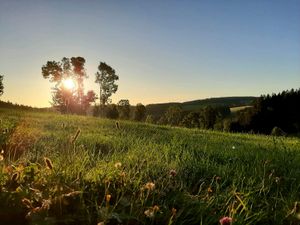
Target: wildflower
[118, 165]
[27, 203]
[173, 173]
[174, 211]
[277, 179]
[150, 186]
[46, 204]
[8, 169]
[108, 197]
[149, 213]
[209, 190]
[225, 220]
[48, 163]
[233, 147]
[155, 208]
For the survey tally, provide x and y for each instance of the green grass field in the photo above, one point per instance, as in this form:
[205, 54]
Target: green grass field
[100, 172]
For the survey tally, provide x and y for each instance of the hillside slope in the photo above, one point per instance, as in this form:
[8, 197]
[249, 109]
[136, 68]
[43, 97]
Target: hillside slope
[159, 109]
[135, 173]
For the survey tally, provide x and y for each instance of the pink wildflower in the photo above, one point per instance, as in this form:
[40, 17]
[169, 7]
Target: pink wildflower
[225, 220]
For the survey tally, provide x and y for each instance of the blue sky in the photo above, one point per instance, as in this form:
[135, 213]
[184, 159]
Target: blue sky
[162, 50]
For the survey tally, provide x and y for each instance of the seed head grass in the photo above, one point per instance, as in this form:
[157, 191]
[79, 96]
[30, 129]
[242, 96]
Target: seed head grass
[143, 173]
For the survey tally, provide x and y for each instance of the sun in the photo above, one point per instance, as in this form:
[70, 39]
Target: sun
[69, 83]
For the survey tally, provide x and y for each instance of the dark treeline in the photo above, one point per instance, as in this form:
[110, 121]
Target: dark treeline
[157, 110]
[205, 118]
[271, 114]
[122, 110]
[10, 105]
[276, 114]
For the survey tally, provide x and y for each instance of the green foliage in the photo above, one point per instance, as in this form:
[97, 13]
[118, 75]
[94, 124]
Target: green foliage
[138, 173]
[63, 99]
[124, 109]
[191, 120]
[157, 110]
[106, 77]
[112, 112]
[139, 112]
[53, 70]
[208, 118]
[173, 115]
[1, 85]
[149, 119]
[276, 131]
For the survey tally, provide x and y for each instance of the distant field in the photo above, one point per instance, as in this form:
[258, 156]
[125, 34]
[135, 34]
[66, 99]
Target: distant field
[158, 110]
[239, 108]
[133, 173]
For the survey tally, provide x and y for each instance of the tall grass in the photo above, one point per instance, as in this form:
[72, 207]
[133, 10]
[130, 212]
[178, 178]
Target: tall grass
[83, 170]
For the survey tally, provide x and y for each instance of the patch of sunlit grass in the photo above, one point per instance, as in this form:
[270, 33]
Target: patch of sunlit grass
[88, 171]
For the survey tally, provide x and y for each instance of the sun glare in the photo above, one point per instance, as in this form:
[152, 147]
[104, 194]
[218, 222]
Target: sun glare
[69, 83]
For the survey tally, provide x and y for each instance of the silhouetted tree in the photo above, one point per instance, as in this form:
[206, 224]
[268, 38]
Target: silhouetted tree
[191, 120]
[140, 112]
[89, 98]
[173, 115]
[124, 109]
[208, 117]
[1, 85]
[64, 100]
[67, 100]
[79, 74]
[106, 77]
[112, 112]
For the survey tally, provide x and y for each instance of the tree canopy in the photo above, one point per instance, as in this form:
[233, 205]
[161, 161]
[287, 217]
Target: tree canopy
[124, 109]
[106, 77]
[70, 70]
[140, 112]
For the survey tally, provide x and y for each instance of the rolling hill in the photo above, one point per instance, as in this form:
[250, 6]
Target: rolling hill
[158, 109]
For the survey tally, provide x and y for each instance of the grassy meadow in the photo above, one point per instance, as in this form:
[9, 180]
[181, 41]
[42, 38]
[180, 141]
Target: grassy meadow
[67, 169]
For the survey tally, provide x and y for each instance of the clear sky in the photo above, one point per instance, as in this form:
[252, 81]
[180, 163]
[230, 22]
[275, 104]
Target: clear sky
[162, 50]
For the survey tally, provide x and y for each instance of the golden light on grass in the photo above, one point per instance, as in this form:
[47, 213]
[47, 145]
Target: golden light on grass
[118, 165]
[48, 163]
[108, 197]
[150, 186]
[69, 83]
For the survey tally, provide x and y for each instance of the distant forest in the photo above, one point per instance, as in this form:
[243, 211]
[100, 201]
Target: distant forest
[10, 105]
[276, 114]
